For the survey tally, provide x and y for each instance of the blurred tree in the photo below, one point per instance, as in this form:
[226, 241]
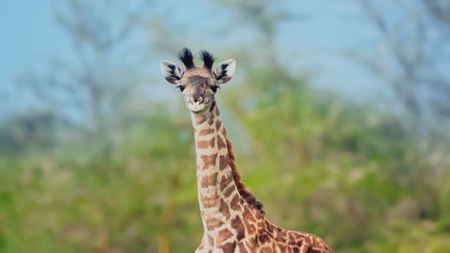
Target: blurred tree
[414, 60]
[264, 17]
[21, 133]
[92, 90]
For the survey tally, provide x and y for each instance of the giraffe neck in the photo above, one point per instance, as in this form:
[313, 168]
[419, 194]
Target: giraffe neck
[218, 195]
[232, 218]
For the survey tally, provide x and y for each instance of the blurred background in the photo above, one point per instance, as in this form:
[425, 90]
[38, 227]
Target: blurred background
[339, 113]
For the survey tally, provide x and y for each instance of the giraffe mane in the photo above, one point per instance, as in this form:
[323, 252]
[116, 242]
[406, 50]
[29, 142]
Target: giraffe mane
[207, 58]
[242, 189]
[185, 56]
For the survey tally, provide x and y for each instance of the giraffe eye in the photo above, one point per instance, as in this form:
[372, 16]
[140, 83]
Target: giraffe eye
[181, 87]
[214, 88]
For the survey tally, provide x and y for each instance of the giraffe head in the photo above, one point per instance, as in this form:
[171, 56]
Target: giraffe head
[198, 84]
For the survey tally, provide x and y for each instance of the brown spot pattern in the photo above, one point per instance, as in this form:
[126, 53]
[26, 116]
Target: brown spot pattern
[251, 244]
[234, 201]
[216, 111]
[238, 226]
[212, 142]
[223, 162]
[248, 216]
[251, 228]
[267, 249]
[200, 119]
[242, 248]
[225, 181]
[263, 238]
[221, 143]
[206, 131]
[208, 202]
[209, 180]
[229, 247]
[213, 223]
[223, 208]
[229, 190]
[222, 236]
[218, 124]
[208, 160]
[203, 144]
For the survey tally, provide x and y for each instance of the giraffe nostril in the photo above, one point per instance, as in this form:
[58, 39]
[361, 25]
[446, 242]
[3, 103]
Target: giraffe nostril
[198, 99]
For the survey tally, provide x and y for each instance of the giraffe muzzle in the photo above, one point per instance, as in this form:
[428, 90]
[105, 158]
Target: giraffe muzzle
[198, 104]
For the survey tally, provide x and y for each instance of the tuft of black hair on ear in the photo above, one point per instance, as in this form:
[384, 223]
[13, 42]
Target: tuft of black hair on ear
[207, 58]
[185, 55]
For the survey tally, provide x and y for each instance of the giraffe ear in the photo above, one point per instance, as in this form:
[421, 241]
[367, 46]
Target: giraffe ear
[225, 71]
[170, 71]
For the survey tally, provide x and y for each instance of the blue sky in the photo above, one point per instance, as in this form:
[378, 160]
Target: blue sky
[30, 36]
[28, 32]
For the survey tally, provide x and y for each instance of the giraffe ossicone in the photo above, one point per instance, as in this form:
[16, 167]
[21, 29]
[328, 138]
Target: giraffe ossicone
[233, 220]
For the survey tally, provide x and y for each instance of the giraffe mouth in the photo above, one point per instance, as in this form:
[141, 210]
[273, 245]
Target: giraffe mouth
[197, 107]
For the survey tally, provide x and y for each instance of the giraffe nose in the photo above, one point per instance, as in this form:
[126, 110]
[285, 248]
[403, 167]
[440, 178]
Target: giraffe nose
[197, 98]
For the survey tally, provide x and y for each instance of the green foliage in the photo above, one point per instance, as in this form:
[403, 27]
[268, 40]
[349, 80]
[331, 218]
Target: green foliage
[346, 172]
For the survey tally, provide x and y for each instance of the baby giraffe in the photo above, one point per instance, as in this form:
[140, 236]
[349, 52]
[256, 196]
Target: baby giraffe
[233, 220]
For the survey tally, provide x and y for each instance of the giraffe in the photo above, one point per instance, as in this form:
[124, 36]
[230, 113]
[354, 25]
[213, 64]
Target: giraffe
[233, 220]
